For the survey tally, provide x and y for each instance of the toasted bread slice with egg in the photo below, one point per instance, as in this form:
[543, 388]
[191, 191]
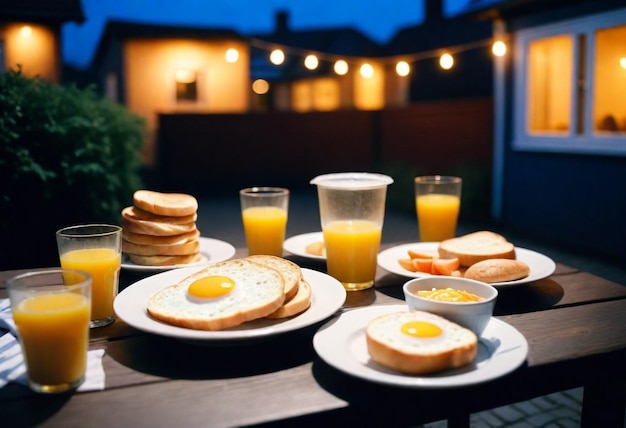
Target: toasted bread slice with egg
[256, 291]
[417, 342]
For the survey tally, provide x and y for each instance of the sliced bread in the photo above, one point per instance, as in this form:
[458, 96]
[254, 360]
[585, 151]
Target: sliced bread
[164, 260]
[191, 247]
[298, 304]
[394, 341]
[258, 291]
[475, 247]
[290, 271]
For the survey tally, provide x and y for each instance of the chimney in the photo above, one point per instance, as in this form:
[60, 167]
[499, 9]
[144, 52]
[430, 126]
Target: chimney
[433, 10]
[282, 22]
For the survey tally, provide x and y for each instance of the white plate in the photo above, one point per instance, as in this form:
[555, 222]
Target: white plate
[341, 343]
[131, 306]
[297, 244]
[540, 266]
[211, 251]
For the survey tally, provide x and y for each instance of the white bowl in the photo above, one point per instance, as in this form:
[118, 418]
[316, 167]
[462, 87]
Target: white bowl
[472, 315]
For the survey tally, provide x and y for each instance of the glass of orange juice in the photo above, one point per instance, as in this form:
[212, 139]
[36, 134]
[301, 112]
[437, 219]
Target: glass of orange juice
[352, 210]
[264, 216]
[437, 203]
[97, 250]
[51, 310]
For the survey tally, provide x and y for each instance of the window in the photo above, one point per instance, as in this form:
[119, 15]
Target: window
[570, 86]
[186, 85]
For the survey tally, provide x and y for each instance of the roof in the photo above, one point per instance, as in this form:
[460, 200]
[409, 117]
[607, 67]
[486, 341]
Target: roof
[491, 9]
[58, 11]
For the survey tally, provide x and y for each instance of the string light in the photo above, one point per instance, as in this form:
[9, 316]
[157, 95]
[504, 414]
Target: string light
[341, 67]
[446, 61]
[311, 62]
[403, 68]
[232, 55]
[260, 86]
[366, 70]
[277, 57]
[498, 48]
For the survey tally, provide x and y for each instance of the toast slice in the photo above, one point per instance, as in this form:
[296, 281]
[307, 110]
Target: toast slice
[290, 271]
[477, 246]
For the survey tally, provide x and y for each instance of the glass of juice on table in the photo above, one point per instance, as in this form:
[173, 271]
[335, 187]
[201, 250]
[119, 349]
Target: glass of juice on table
[352, 210]
[437, 203]
[51, 310]
[97, 250]
[264, 216]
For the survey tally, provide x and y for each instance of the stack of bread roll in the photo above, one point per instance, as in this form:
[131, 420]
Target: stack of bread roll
[159, 229]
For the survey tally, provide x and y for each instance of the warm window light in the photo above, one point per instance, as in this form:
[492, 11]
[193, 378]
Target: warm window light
[260, 86]
[367, 71]
[498, 48]
[26, 31]
[277, 57]
[341, 67]
[403, 68]
[622, 62]
[446, 61]
[232, 55]
[185, 76]
[311, 62]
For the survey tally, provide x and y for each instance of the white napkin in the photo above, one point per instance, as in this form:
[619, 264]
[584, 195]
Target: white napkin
[12, 368]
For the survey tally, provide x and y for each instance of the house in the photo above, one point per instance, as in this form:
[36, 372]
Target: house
[156, 69]
[30, 35]
[560, 121]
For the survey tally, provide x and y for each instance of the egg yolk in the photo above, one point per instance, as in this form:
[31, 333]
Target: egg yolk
[210, 287]
[421, 329]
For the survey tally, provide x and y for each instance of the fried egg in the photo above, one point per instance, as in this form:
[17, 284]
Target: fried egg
[220, 296]
[418, 342]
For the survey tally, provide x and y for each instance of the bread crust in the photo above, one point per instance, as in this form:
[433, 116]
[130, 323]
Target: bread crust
[192, 247]
[164, 260]
[409, 361]
[291, 272]
[166, 204]
[475, 247]
[497, 270]
[140, 238]
[298, 304]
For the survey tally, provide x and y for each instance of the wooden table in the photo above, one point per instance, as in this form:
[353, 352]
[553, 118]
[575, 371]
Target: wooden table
[573, 321]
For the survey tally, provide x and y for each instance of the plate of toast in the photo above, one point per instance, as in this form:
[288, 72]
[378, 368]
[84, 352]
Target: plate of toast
[484, 256]
[342, 344]
[167, 303]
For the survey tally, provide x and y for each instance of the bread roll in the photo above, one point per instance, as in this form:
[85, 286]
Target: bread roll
[475, 247]
[166, 204]
[497, 270]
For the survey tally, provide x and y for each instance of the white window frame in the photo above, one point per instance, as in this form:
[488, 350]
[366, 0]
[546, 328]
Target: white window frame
[589, 142]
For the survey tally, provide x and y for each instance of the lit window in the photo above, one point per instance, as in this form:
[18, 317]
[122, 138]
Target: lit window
[186, 85]
[570, 85]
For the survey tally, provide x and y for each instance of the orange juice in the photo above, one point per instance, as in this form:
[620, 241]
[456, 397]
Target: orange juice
[351, 251]
[54, 333]
[437, 216]
[104, 266]
[265, 229]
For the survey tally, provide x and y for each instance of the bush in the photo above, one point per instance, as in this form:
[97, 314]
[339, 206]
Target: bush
[66, 156]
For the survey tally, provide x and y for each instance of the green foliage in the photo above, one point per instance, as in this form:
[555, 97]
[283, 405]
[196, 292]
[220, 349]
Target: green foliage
[66, 156]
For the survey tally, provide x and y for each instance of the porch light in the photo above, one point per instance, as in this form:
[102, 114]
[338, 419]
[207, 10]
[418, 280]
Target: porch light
[277, 57]
[341, 67]
[446, 61]
[403, 68]
[367, 70]
[26, 31]
[311, 62]
[622, 62]
[498, 48]
[185, 76]
[260, 86]
[232, 55]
